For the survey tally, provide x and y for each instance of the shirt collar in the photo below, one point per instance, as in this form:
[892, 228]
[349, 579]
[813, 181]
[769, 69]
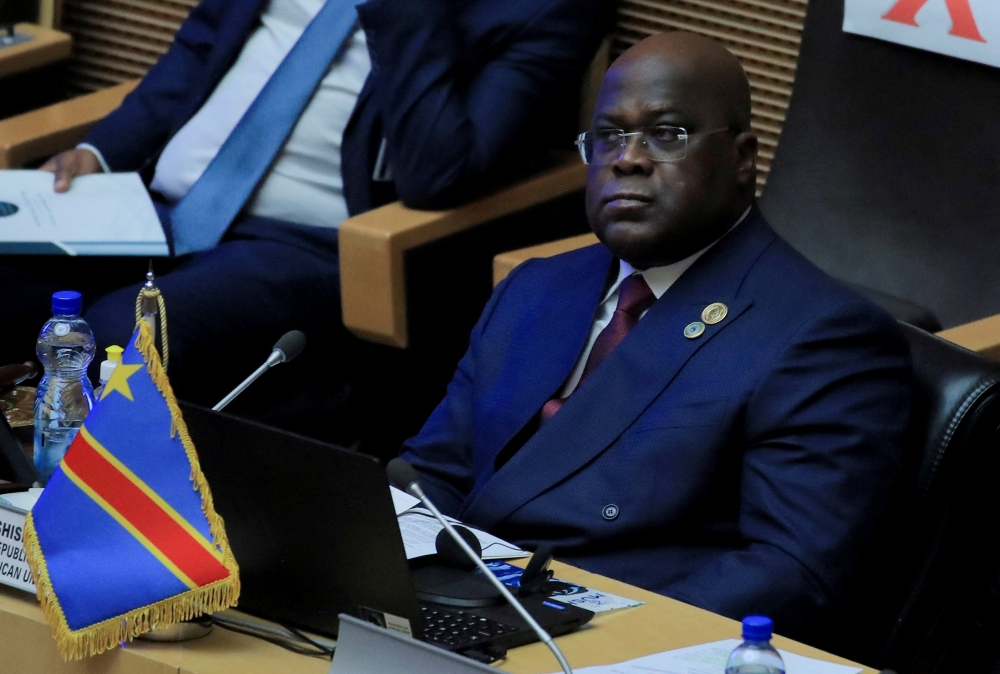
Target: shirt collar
[659, 279]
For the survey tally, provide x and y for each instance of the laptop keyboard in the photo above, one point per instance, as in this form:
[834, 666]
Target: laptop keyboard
[457, 629]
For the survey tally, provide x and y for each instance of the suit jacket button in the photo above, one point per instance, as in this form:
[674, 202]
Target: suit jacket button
[610, 511]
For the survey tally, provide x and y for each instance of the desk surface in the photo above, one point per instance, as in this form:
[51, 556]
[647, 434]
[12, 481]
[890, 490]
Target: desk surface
[26, 645]
[48, 46]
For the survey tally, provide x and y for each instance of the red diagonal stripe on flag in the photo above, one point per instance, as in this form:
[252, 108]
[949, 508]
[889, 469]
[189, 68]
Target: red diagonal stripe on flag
[144, 514]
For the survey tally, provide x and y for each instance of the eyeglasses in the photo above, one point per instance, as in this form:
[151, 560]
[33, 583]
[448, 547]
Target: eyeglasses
[660, 143]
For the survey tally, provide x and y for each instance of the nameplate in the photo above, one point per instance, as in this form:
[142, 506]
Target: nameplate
[14, 569]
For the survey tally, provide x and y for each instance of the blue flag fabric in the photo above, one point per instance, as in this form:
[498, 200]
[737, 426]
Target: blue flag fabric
[125, 538]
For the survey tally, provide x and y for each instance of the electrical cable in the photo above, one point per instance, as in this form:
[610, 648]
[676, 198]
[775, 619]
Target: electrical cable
[291, 639]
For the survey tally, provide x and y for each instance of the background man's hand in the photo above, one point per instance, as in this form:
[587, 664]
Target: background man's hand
[70, 164]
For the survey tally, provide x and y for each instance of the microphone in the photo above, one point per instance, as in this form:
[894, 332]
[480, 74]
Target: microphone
[449, 554]
[405, 477]
[289, 346]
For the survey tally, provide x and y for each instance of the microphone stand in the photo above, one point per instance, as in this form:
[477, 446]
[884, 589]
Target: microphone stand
[415, 489]
[8, 36]
[285, 349]
[275, 358]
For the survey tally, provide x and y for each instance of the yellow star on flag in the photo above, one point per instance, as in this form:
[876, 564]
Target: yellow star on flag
[119, 381]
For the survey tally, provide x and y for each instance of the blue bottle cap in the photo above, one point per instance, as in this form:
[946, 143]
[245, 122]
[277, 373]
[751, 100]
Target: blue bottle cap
[757, 628]
[67, 302]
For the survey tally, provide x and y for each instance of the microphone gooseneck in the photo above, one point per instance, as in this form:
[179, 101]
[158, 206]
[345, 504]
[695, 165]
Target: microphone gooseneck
[289, 346]
[405, 477]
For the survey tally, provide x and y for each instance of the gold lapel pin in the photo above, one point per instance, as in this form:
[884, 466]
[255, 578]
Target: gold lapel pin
[694, 330]
[714, 313]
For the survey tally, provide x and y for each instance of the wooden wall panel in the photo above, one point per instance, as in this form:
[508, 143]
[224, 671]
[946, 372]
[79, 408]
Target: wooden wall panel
[764, 34]
[118, 40]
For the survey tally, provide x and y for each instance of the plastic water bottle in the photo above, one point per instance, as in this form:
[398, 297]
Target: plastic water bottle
[756, 655]
[65, 348]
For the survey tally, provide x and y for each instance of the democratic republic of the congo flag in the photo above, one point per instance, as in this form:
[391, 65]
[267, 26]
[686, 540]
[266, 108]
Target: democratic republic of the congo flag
[125, 539]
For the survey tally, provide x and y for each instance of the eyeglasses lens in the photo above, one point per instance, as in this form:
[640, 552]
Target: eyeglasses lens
[659, 143]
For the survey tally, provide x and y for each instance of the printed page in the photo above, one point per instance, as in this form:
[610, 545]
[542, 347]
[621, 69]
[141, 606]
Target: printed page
[420, 531]
[402, 501]
[22, 501]
[711, 659]
[102, 214]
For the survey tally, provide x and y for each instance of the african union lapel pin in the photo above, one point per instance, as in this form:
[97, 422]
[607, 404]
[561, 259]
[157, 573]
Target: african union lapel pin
[714, 313]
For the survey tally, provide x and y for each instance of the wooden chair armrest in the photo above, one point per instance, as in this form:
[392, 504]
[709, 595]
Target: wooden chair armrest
[46, 131]
[373, 244]
[504, 263]
[982, 336]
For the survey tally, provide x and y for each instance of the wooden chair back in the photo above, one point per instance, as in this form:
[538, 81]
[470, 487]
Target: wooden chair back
[115, 41]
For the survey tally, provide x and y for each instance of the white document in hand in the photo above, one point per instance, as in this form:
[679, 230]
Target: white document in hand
[711, 659]
[420, 530]
[102, 214]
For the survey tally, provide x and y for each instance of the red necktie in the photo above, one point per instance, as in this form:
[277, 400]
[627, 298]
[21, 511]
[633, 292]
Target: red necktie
[634, 297]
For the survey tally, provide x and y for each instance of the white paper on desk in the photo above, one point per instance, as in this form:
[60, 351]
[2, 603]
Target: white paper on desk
[22, 501]
[420, 530]
[711, 659]
[402, 501]
[102, 214]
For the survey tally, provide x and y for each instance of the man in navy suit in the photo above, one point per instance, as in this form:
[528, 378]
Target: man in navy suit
[430, 101]
[690, 405]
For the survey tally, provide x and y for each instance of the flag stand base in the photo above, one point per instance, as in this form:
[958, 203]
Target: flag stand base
[189, 630]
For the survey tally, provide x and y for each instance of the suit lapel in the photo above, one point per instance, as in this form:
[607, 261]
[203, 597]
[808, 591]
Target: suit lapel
[628, 381]
[537, 368]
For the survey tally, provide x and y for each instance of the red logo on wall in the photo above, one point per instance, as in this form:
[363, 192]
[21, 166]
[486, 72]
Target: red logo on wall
[963, 23]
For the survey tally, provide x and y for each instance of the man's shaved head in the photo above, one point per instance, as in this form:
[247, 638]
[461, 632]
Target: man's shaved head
[702, 66]
[652, 213]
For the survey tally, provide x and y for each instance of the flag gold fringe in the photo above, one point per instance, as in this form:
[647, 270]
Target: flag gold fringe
[108, 634]
[146, 345]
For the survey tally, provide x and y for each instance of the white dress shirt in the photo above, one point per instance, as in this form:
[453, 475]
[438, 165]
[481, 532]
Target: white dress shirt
[304, 184]
[659, 280]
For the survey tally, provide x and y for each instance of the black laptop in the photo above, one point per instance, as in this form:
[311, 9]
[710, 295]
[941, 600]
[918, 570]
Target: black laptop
[314, 531]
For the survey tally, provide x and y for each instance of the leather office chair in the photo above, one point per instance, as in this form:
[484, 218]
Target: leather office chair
[919, 603]
[887, 171]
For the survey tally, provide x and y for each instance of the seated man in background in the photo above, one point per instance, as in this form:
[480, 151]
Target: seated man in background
[268, 122]
[689, 406]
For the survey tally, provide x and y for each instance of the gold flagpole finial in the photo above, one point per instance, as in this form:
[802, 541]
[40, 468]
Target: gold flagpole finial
[149, 306]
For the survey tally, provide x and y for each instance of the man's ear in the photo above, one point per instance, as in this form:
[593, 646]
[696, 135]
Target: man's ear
[745, 146]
